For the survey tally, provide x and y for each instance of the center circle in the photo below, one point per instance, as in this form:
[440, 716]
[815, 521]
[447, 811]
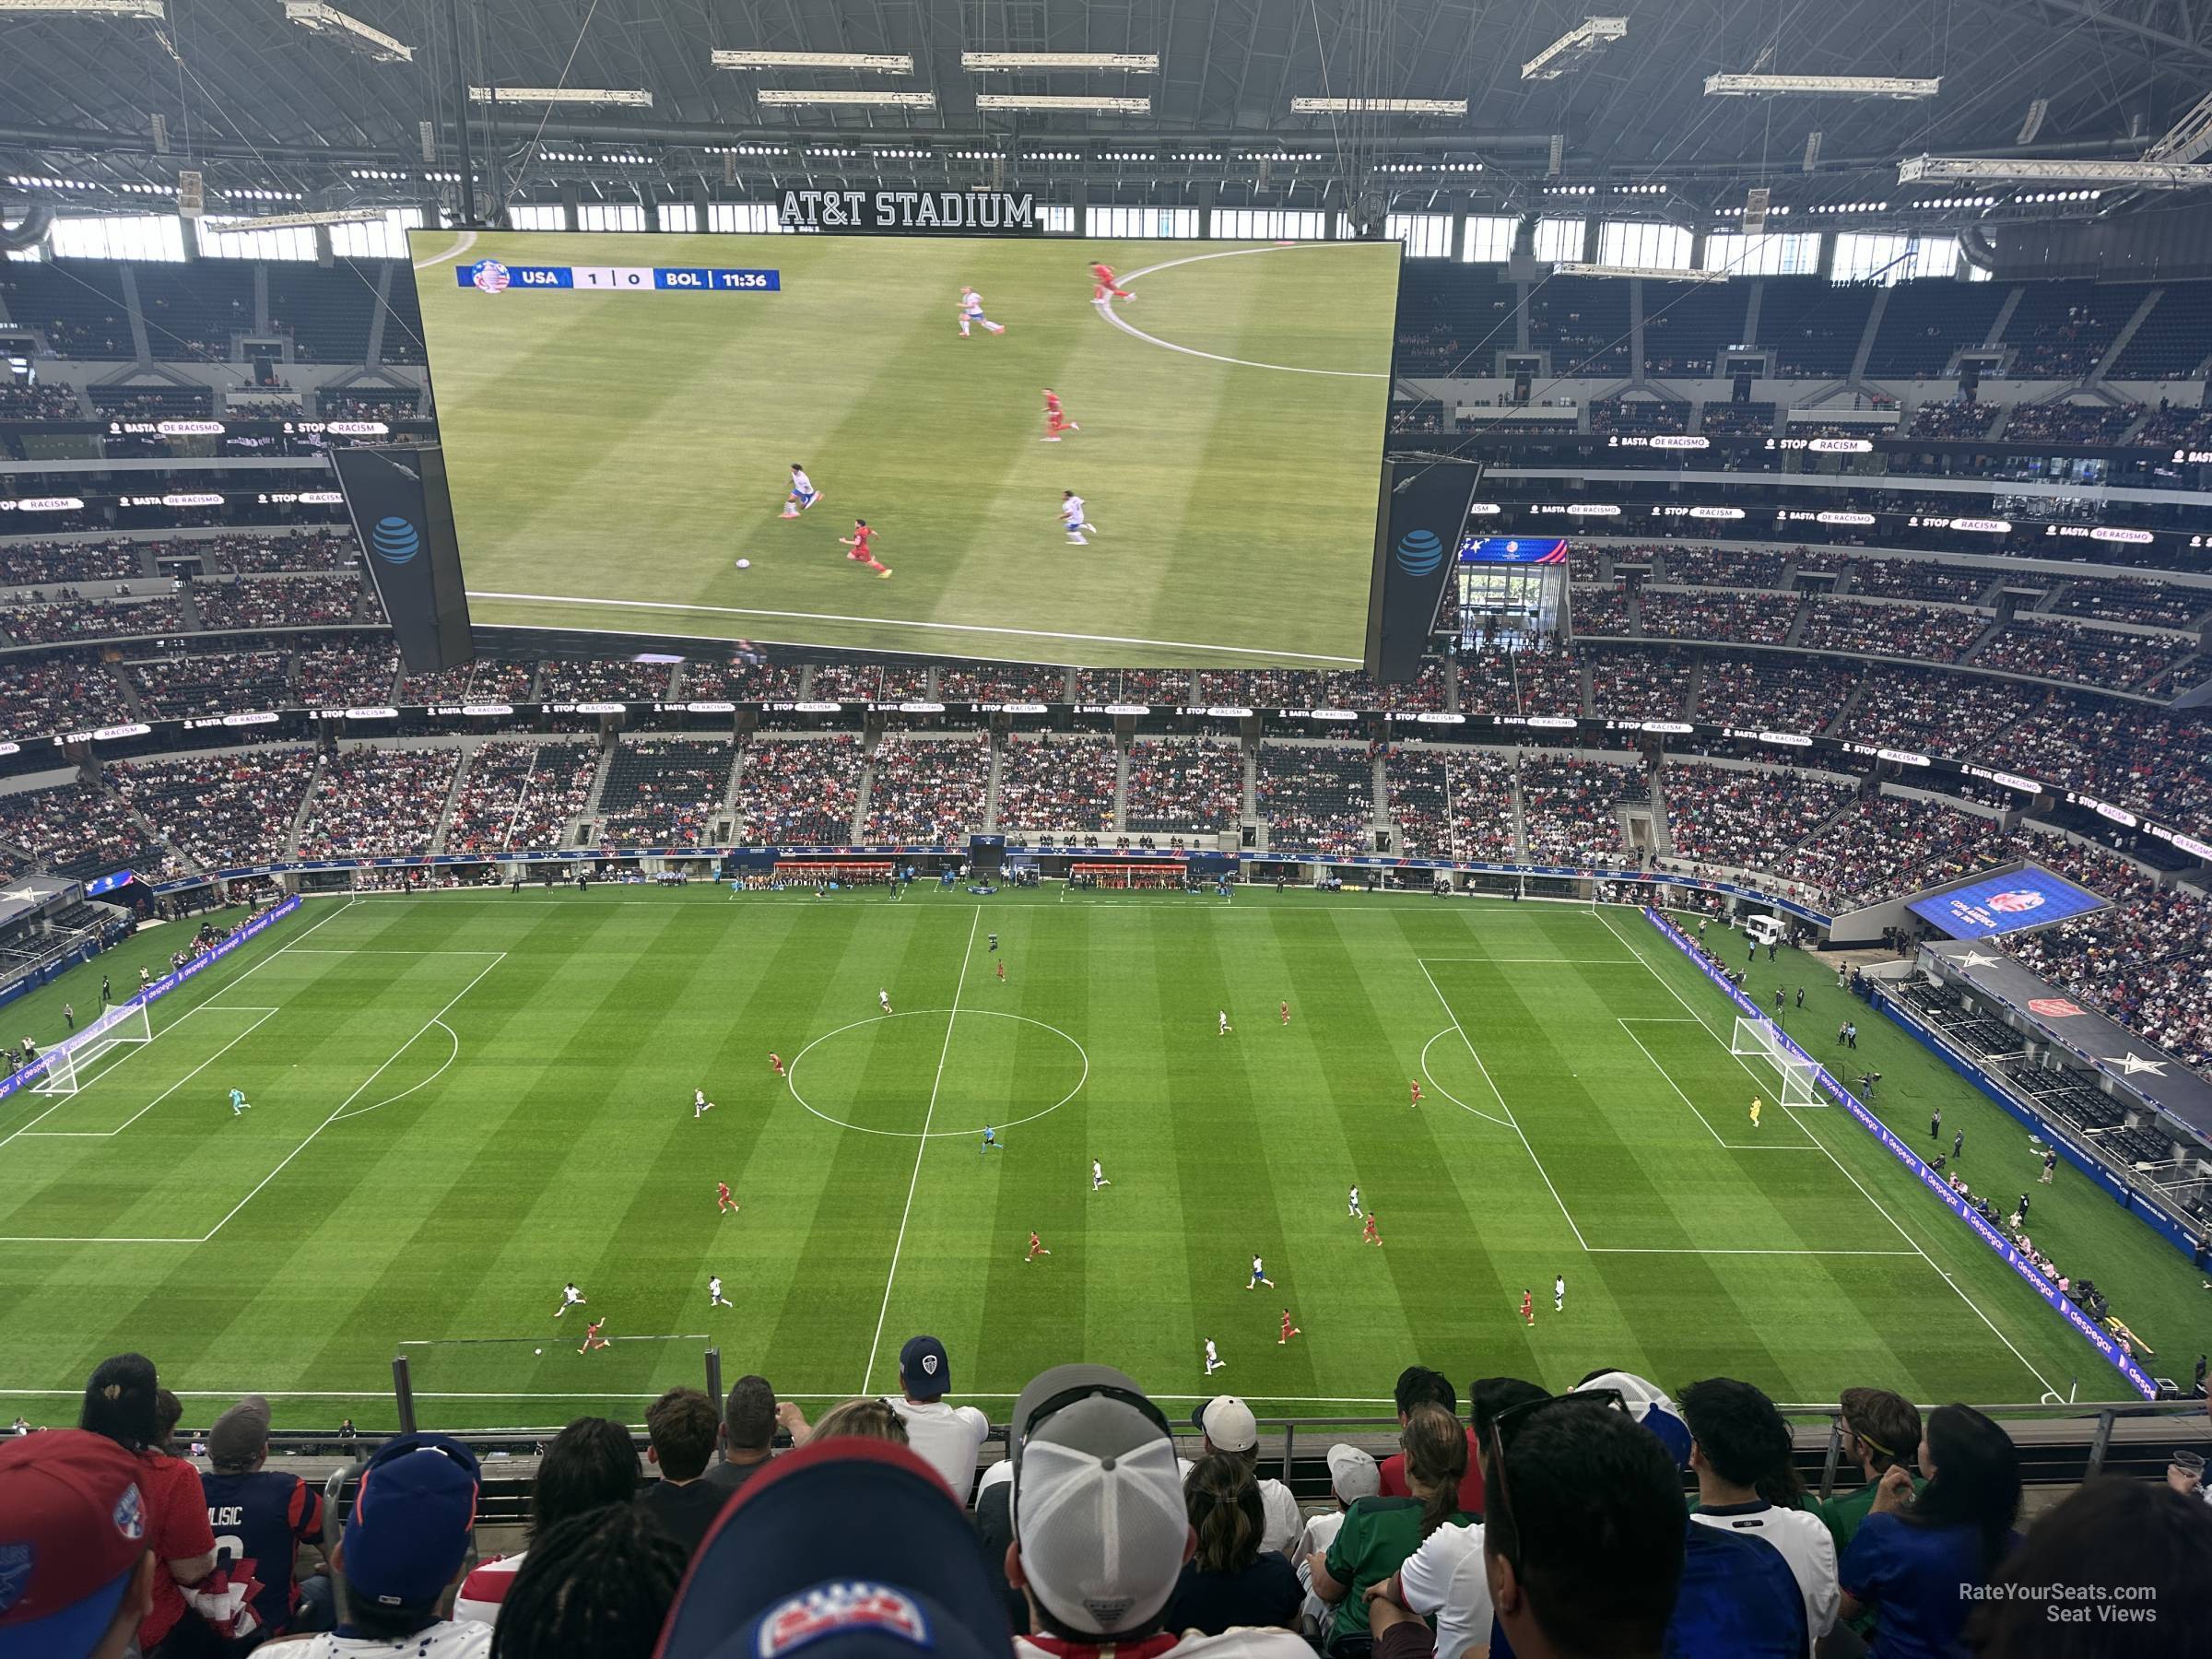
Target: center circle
[885, 1071]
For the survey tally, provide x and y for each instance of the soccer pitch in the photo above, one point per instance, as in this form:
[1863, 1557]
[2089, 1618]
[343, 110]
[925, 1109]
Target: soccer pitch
[613, 454]
[462, 1101]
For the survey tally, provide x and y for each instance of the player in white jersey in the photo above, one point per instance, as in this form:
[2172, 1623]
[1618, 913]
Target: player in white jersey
[1214, 1361]
[1559, 1293]
[569, 1298]
[1352, 1198]
[1259, 1275]
[972, 312]
[1072, 518]
[1224, 1018]
[883, 1000]
[715, 1296]
[803, 492]
[700, 1105]
[1097, 1176]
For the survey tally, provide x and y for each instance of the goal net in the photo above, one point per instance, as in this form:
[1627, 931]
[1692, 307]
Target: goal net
[68, 1066]
[1757, 1041]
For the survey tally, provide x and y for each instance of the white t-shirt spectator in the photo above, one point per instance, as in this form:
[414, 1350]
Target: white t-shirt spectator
[448, 1638]
[1445, 1580]
[1320, 1533]
[945, 1437]
[1277, 1503]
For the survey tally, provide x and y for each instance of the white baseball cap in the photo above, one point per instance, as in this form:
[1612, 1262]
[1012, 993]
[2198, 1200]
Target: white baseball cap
[1353, 1474]
[1228, 1423]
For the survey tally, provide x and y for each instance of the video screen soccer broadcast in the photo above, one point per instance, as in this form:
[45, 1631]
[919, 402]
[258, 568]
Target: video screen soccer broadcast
[964, 447]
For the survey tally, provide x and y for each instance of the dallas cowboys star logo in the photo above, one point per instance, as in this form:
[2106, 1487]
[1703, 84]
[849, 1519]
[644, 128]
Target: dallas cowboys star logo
[1975, 959]
[2130, 1064]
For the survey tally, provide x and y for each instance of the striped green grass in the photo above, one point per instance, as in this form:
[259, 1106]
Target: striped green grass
[625, 449]
[461, 1100]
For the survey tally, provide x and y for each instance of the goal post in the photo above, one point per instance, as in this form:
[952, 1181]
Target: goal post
[1758, 1039]
[66, 1067]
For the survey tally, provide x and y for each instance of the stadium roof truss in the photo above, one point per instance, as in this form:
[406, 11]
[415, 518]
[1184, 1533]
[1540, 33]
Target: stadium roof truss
[286, 106]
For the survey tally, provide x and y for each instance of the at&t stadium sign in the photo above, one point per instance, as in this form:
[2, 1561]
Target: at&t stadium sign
[1006, 211]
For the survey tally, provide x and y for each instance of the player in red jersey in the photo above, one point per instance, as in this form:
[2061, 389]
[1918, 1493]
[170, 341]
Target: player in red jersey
[591, 1339]
[1101, 280]
[724, 1203]
[1370, 1236]
[1289, 1330]
[1002, 970]
[1528, 1307]
[1416, 1094]
[1056, 419]
[775, 1063]
[862, 552]
[1036, 1247]
[1286, 1007]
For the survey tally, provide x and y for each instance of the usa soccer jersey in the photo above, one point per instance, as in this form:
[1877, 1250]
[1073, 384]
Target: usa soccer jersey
[259, 1521]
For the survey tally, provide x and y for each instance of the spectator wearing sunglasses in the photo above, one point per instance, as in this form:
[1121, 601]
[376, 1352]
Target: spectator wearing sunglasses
[1584, 1534]
[1917, 1559]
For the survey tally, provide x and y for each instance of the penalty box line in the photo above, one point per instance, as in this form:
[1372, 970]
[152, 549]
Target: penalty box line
[1627, 1026]
[1939, 1270]
[29, 1132]
[362, 1087]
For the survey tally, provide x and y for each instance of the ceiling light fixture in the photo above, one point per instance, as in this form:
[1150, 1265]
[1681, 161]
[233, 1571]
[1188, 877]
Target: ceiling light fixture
[984, 63]
[1114, 106]
[1815, 86]
[877, 63]
[905, 100]
[1381, 106]
[2149, 175]
[563, 95]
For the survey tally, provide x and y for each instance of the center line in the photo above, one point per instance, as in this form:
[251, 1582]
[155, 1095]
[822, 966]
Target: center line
[921, 1147]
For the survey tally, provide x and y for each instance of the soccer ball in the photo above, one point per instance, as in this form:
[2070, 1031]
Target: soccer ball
[744, 564]
[537, 1350]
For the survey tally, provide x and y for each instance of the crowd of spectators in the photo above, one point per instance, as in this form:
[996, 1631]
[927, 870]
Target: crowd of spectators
[1453, 803]
[2155, 760]
[351, 671]
[800, 791]
[1689, 565]
[1317, 799]
[1959, 418]
[517, 795]
[1002, 682]
[1918, 579]
[1736, 420]
[2184, 429]
[2070, 422]
[221, 809]
[856, 682]
[1177, 786]
[1932, 711]
[1613, 1520]
[2153, 604]
[1885, 845]
[79, 830]
[1048, 782]
[33, 564]
[372, 801]
[1750, 618]
[1639, 685]
[1570, 809]
[333, 405]
[662, 791]
[929, 791]
[1544, 682]
[1921, 632]
[1599, 610]
[1638, 414]
[480, 682]
[1154, 688]
[274, 602]
[293, 552]
[601, 679]
[52, 694]
[47, 400]
[2146, 962]
[1745, 821]
[706, 681]
[47, 621]
[215, 682]
[1774, 693]
[2059, 649]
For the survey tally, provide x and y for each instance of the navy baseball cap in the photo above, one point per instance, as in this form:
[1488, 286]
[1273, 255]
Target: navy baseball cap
[923, 1371]
[412, 1520]
[849, 1548]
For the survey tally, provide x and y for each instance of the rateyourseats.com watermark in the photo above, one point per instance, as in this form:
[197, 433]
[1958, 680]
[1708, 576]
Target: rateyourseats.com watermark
[2077, 1604]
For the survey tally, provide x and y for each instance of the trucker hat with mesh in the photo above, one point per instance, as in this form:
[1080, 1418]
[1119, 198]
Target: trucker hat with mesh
[1098, 1508]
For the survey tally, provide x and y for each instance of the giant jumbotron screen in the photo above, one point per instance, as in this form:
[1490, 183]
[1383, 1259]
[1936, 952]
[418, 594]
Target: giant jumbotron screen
[1178, 467]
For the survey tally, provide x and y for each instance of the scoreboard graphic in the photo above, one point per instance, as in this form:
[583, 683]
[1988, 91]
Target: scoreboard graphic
[495, 277]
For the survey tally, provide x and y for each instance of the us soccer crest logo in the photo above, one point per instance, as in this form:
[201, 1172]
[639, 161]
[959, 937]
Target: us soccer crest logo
[489, 276]
[2016, 902]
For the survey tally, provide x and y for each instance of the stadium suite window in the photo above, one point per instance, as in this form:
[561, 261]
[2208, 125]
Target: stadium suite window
[148, 236]
[1766, 254]
[1269, 224]
[1558, 239]
[537, 216]
[610, 216]
[677, 216]
[286, 241]
[1490, 239]
[385, 238]
[1057, 220]
[1644, 243]
[1863, 255]
[1426, 235]
[754, 218]
[1177, 222]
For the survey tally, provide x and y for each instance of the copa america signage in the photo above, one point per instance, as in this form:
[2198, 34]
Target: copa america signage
[998, 211]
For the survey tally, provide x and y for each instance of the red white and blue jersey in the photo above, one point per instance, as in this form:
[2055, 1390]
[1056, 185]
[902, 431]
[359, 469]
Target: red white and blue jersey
[259, 1521]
